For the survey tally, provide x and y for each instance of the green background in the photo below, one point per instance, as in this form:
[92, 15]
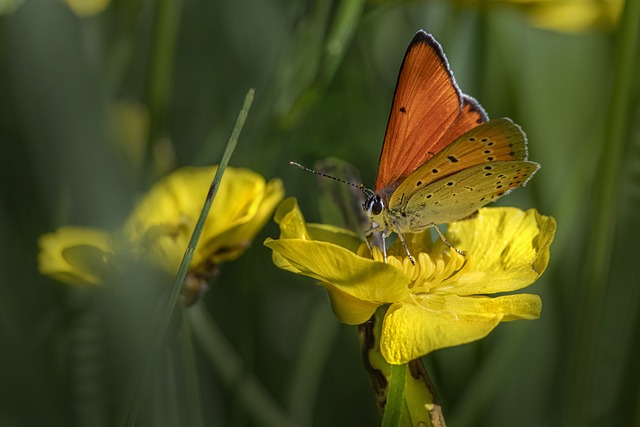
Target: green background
[324, 74]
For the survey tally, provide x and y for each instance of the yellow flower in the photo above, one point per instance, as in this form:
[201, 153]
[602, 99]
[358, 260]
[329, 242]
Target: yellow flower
[87, 8]
[441, 301]
[562, 15]
[163, 220]
[75, 255]
[159, 228]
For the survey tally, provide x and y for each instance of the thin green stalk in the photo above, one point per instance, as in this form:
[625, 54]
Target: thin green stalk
[395, 396]
[251, 394]
[309, 366]
[339, 38]
[600, 242]
[191, 374]
[165, 319]
[160, 68]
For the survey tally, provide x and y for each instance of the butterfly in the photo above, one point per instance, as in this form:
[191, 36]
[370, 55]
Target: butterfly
[442, 158]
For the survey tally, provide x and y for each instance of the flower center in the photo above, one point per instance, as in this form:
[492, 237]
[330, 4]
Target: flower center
[431, 270]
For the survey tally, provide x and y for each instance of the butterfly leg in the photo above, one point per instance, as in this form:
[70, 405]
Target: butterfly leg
[404, 243]
[444, 239]
[384, 245]
[406, 248]
[369, 233]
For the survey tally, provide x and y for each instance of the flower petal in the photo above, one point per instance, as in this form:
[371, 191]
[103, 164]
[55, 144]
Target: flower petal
[507, 249]
[75, 255]
[231, 243]
[413, 329]
[359, 277]
[348, 309]
[164, 219]
[332, 259]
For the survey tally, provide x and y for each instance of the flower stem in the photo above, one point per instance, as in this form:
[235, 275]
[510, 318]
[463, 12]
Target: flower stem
[404, 393]
[395, 396]
[252, 395]
[191, 373]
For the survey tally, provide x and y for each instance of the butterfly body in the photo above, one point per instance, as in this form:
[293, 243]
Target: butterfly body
[442, 158]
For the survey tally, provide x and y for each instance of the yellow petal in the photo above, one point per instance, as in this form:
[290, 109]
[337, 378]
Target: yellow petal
[290, 219]
[292, 225]
[75, 255]
[164, 219]
[231, 243]
[348, 309]
[429, 322]
[361, 278]
[507, 249]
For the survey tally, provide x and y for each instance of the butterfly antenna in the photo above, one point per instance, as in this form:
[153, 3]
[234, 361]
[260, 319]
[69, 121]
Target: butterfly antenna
[359, 187]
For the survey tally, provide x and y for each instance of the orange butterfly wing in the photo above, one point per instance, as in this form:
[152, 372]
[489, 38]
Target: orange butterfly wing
[428, 112]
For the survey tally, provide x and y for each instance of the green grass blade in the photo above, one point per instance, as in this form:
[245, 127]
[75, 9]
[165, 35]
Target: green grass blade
[186, 260]
[258, 403]
[603, 228]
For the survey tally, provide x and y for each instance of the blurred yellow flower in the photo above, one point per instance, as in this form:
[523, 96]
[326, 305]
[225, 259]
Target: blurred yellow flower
[441, 301]
[162, 222]
[7, 7]
[87, 8]
[562, 15]
[75, 255]
[159, 228]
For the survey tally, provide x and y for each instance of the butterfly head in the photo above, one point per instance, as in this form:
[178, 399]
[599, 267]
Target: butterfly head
[373, 205]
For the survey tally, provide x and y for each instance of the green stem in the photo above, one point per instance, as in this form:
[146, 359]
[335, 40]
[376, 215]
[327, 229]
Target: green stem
[165, 319]
[310, 364]
[395, 396]
[339, 38]
[252, 395]
[600, 242]
[160, 70]
[191, 374]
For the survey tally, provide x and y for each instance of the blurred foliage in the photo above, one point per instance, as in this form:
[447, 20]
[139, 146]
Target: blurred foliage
[94, 109]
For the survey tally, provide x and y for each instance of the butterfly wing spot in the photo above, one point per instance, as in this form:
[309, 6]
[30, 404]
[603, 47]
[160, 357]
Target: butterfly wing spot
[434, 170]
[418, 184]
[488, 174]
[429, 196]
[403, 110]
[490, 159]
[487, 151]
[450, 184]
[488, 168]
[490, 143]
[452, 159]
[472, 139]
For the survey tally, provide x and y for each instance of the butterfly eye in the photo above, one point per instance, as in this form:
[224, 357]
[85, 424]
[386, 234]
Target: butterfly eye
[374, 205]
